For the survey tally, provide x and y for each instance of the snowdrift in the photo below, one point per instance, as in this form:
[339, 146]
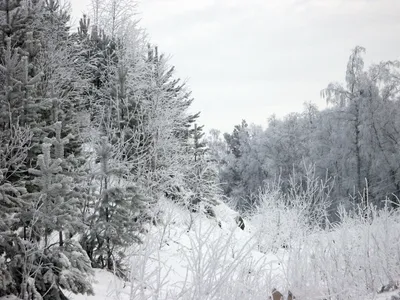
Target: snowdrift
[192, 256]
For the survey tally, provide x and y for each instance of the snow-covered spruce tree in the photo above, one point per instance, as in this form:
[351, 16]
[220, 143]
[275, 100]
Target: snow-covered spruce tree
[231, 175]
[14, 146]
[39, 73]
[33, 266]
[177, 159]
[15, 138]
[63, 88]
[98, 52]
[14, 97]
[117, 206]
[146, 116]
[201, 174]
[167, 123]
[115, 210]
[123, 117]
[34, 94]
[199, 145]
[17, 102]
[58, 262]
[20, 46]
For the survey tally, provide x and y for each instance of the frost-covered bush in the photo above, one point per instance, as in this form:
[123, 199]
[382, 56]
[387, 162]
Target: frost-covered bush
[356, 258]
[275, 223]
[281, 216]
[352, 259]
[205, 262]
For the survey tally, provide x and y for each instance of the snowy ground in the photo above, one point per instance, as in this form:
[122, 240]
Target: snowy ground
[209, 262]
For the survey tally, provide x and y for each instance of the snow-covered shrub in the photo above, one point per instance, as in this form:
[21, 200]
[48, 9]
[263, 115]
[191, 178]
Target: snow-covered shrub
[356, 258]
[213, 259]
[276, 224]
[206, 262]
[281, 216]
[148, 275]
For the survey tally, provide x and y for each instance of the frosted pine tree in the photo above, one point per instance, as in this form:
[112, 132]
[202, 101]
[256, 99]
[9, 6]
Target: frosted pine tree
[199, 145]
[201, 173]
[116, 211]
[66, 265]
[13, 150]
[16, 85]
[166, 122]
[34, 264]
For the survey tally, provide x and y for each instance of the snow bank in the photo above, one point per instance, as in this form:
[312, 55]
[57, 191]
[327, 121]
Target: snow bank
[192, 256]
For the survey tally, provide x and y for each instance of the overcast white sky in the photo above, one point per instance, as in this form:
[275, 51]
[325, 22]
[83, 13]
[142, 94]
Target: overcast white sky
[248, 59]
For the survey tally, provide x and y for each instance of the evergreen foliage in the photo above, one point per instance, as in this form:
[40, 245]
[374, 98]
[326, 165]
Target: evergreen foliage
[115, 209]
[94, 129]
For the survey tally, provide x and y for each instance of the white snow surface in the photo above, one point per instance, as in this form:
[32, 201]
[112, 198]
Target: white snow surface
[188, 256]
